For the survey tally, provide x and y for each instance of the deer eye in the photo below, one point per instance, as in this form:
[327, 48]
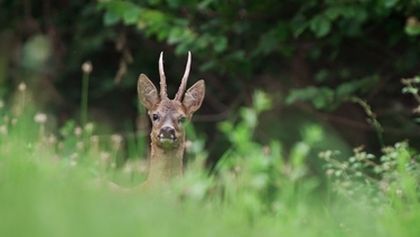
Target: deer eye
[181, 120]
[155, 117]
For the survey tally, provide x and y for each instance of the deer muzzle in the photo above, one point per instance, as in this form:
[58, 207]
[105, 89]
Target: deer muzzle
[167, 133]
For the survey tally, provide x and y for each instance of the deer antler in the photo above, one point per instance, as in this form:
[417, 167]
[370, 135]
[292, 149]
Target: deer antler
[163, 92]
[183, 85]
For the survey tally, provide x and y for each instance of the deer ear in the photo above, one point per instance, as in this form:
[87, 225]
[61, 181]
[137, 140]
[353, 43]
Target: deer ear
[194, 97]
[148, 93]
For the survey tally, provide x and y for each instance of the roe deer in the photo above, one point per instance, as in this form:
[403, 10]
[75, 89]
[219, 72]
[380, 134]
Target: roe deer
[168, 133]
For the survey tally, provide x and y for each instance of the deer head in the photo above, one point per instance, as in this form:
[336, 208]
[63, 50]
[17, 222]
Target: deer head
[168, 116]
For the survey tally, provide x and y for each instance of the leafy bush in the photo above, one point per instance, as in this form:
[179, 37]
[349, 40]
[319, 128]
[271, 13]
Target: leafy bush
[54, 185]
[318, 52]
[392, 177]
[55, 163]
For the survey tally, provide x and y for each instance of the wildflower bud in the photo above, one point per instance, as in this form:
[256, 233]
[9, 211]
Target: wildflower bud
[237, 169]
[87, 67]
[384, 186]
[74, 156]
[266, 150]
[329, 172]
[40, 118]
[22, 86]
[3, 129]
[89, 127]
[78, 131]
[116, 140]
[52, 139]
[412, 21]
[94, 140]
[80, 145]
[104, 156]
[73, 163]
[128, 169]
[73, 159]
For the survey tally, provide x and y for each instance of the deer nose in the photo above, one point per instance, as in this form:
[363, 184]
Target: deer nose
[167, 132]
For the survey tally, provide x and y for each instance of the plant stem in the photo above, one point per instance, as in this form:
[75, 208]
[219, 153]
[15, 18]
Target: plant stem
[371, 118]
[84, 100]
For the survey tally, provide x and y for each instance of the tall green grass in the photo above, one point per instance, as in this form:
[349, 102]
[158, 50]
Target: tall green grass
[54, 184]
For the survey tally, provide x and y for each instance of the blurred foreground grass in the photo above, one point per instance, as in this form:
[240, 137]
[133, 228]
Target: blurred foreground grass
[51, 185]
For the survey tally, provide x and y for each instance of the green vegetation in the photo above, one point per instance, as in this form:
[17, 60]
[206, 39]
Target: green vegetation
[310, 125]
[57, 186]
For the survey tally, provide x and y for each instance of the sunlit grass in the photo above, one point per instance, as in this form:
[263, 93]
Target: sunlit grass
[54, 184]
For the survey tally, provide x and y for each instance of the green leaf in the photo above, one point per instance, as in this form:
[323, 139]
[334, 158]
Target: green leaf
[301, 94]
[390, 3]
[410, 90]
[322, 75]
[226, 127]
[261, 101]
[175, 35]
[334, 12]
[412, 27]
[249, 116]
[131, 15]
[220, 44]
[320, 97]
[347, 89]
[313, 134]
[324, 98]
[110, 18]
[320, 25]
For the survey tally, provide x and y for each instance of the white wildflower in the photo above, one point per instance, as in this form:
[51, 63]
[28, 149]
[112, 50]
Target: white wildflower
[89, 127]
[104, 156]
[94, 140]
[40, 118]
[80, 145]
[78, 131]
[22, 86]
[52, 139]
[73, 163]
[87, 67]
[116, 140]
[128, 169]
[73, 159]
[3, 130]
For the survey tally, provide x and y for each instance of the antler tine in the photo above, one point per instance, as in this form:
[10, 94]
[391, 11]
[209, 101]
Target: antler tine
[163, 91]
[184, 80]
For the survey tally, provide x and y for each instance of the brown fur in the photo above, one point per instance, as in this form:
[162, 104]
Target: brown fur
[167, 154]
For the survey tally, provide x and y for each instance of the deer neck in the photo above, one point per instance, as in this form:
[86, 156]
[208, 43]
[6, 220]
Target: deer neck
[165, 164]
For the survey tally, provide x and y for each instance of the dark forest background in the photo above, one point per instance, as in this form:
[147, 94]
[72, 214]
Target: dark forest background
[338, 64]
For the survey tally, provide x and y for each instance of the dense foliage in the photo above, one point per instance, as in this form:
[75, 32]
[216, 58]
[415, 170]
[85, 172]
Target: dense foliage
[59, 186]
[322, 53]
[309, 127]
